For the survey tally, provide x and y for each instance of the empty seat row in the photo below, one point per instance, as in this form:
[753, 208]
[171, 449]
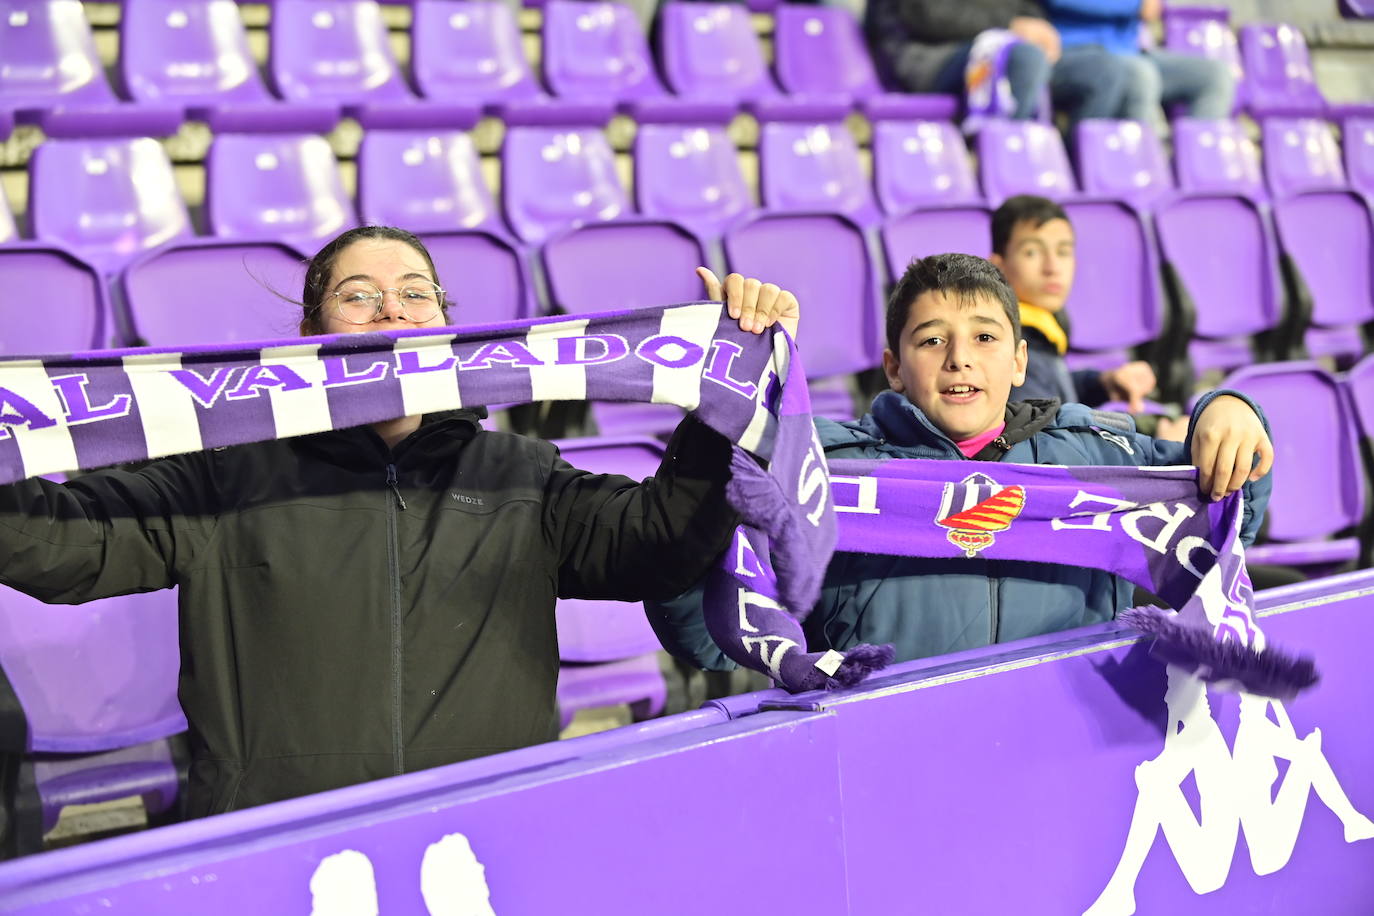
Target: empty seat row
[194, 54]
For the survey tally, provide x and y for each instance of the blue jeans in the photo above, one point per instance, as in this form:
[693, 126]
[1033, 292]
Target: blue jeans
[1089, 81]
[1027, 70]
[1204, 87]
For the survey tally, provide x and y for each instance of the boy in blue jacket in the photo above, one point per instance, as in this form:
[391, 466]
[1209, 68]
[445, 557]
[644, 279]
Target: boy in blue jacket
[954, 351]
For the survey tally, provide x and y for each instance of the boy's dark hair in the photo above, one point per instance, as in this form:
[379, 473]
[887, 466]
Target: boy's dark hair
[1023, 208]
[962, 276]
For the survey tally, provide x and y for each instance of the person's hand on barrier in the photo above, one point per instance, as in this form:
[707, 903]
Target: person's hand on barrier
[1130, 383]
[1227, 441]
[1039, 32]
[754, 304]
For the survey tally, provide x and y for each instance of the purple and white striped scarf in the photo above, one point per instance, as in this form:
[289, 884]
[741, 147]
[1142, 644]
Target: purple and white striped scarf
[987, 90]
[86, 410]
[1147, 525]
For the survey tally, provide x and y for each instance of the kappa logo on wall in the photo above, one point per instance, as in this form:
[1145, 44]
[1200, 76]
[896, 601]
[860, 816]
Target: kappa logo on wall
[976, 508]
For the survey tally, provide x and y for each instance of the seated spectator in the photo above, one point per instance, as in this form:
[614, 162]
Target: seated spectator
[1103, 36]
[925, 45]
[954, 351]
[1033, 244]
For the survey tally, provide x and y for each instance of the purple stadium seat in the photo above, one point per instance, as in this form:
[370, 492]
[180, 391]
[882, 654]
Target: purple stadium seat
[109, 199]
[124, 697]
[555, 175]
[1223, 253]
[469, 51]
[49, 58]
[597, 51]
[808, 160]
[1357, 9]
[919, 233]
[191, 52]
[486, 275]
[1330, 238]
[819, 50]
[1318, 491]
[710, 50]
[1278, 72]
[423, 180]
[1123, 159]
[1022, 157]
[76, 315]
[1300, 154]
[275, 187]
[842, 333]
[335, 51]
[243, 291]
[610, 644]
[1206, 32]
[1216, 156]
[1325, 228]
[920, 164]
[689, 172]
[1357, 139]
[1115, 302]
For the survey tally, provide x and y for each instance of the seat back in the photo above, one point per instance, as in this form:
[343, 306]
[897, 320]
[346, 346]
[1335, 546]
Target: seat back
[652, 262]
[279, 187]
[427, 180]
[597, 51]
[1278, 71]
[710, 50]
[1022, 157]
[1224, 255]
[1115, 300]
[919, 163]
[95, 676]
[486, 275]
[109, 199]
[843, 331]
[921, 233]
[690, 173]
[212, 292]
[599, 631]
[75, 308]
[1124, 160]
[1317, 487]
[1206, 32]
[1300, 154]
[469, 51]
[820, 50]
[1216, 156]
[553, 177]
[188, 52]
[333, 50]
[813, 166]
[1329, 237]
[49, 57]
[1357, 139]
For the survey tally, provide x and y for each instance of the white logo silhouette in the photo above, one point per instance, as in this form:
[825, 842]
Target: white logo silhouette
[452, 882]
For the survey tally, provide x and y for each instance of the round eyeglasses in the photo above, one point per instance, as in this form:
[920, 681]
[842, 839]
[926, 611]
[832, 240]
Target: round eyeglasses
[361, 303]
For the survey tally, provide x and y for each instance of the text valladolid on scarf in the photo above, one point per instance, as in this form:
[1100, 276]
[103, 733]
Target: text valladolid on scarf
[81, 411]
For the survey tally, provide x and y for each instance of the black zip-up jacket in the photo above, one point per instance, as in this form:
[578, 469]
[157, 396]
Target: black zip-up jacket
[350, 612]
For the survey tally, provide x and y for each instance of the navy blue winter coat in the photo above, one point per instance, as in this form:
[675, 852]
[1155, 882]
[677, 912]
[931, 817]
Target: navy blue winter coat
[933, 606]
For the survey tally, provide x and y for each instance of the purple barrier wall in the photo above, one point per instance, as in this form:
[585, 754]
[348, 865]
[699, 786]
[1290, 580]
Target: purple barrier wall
[1049, 776]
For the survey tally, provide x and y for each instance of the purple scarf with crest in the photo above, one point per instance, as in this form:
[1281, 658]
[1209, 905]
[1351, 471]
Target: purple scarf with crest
[1147, 525]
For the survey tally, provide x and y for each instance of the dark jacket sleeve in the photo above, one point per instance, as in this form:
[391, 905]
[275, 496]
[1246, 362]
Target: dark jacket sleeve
[106, 533]
[943, 20]
[621, 540]
[1087, 385]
